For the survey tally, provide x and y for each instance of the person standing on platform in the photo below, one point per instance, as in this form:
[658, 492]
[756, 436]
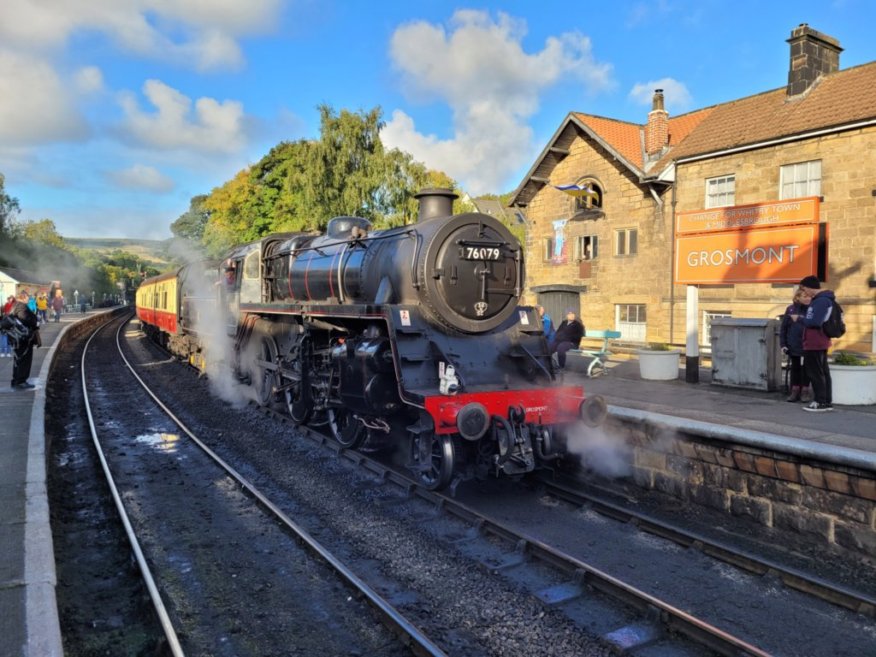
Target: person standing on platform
[791, 341]
[58, 304]
[5, 348]
[816, 343]
[547, 324]
[568, 336]
[24, 348]
[42, 308]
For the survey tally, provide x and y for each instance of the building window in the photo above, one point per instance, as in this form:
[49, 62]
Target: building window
[626, 242]
[588, 247]
[708, 316]
[548, 248]
[800, 179]
[720, 192]
[630, 320]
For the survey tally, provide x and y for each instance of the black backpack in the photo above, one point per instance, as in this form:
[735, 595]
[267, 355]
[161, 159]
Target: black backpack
[834, 326]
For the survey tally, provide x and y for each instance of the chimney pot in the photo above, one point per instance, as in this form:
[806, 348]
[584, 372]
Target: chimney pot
[813, 55]
[657, 131]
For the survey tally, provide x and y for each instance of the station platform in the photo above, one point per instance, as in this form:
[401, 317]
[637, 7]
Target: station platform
[845, 436]
[29, 625]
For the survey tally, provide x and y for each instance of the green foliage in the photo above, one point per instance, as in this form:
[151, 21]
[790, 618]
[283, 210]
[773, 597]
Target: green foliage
[191, 224]
[8, 211]
[658, 346]
[846, 358]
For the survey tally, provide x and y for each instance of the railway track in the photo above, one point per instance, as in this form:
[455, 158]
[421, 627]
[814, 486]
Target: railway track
[573, 585]
[659, 618]
[409, 635]
[856, 601]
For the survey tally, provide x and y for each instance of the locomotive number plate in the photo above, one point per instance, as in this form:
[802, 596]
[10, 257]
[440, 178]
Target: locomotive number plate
[481, 253]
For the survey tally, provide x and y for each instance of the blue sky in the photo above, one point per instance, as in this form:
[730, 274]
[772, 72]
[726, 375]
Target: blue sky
[114, 113]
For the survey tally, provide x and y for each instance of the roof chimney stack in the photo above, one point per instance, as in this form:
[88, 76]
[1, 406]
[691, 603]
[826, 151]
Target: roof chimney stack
[813, 55]
[657, 132]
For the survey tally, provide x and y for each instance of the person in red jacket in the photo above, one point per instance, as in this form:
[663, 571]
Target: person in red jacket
[816, 343]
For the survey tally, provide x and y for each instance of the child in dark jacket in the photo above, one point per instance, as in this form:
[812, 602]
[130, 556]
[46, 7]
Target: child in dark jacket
[791, 341]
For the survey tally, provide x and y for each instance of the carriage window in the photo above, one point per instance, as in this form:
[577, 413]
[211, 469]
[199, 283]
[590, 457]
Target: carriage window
[251, 266]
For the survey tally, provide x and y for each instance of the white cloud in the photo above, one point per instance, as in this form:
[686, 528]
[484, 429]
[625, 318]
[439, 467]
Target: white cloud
[205, 31]
[675, 94]
[35, 105]
[212, 126]
[88, 80]
[492, 86]
[141, 176]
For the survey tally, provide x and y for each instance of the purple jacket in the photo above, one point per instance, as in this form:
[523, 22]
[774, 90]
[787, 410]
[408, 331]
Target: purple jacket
[819, 310]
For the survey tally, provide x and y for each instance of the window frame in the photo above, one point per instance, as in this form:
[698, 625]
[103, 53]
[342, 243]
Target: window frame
[547, 253]
[579, 247]
[808, 181]
[712, 197]
[627, 233]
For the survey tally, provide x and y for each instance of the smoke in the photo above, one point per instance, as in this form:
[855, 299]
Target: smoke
[207, 309]
[602, 451]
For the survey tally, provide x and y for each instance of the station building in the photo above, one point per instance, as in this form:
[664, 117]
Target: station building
[740, 199]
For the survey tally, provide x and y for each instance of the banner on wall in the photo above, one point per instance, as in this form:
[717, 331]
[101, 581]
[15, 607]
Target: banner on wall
[765, 255]
[559, 255]
[749, 217]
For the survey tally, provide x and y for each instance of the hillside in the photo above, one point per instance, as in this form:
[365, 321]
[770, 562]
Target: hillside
[153, 250]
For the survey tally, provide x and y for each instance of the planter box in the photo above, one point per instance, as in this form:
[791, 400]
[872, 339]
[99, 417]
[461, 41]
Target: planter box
[853, 385]
[659, 365]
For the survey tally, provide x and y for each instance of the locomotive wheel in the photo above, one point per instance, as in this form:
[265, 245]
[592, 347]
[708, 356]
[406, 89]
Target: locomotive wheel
[264, 380]
[434, 458]
[297, 394]
[346, 429]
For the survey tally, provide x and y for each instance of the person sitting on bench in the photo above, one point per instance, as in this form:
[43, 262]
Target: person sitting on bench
[568, 336]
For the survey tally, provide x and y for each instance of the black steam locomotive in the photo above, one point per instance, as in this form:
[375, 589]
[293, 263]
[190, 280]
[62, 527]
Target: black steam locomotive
[411, 335]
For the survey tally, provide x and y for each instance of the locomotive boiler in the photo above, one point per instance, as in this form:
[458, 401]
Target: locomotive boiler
[408, 336]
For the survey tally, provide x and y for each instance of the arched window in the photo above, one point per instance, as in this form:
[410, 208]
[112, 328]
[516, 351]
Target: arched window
[589, 196]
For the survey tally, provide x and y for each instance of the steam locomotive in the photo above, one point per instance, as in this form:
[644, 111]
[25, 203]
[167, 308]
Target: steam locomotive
[408, 336]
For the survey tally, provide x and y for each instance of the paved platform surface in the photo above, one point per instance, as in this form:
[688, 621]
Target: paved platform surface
[28, 614]
[28, 611]
[846, 435]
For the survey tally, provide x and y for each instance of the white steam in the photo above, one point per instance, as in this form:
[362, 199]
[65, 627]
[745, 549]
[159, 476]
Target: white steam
[210, 317]
[607, 454]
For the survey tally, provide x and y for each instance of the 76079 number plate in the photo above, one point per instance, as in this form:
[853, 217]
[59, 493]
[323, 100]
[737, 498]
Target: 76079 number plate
[480, 253]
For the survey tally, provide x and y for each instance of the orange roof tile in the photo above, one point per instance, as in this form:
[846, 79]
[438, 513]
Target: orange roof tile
[838, 99]
[623, 137]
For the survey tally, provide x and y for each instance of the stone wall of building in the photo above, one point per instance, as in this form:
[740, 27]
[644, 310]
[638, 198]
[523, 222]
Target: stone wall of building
[848, 206]
[609, 279]
[848, 170]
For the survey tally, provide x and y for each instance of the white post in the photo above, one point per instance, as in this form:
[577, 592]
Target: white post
[692, 345]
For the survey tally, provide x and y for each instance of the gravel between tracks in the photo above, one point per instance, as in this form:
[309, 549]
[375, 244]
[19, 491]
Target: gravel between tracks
[466, 610]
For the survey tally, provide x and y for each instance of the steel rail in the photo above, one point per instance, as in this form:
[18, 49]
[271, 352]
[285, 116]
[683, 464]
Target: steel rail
[154, 594]
[670, 616]
[422, 645]
[856, 601]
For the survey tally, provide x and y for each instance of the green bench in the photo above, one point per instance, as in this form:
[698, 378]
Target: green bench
[597, 356]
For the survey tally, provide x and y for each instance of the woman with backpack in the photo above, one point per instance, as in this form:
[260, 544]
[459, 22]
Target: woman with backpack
[816, 343]
[791, 341]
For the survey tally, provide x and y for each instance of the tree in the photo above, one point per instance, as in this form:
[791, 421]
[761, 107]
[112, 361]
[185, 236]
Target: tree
[8, 209]
[191, 224]
[44, 233]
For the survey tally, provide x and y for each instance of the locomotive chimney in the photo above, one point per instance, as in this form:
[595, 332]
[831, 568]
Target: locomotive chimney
[435, 202]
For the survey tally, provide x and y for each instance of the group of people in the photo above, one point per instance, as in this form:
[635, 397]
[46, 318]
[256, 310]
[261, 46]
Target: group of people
[19, 334]
[803, 339]
[566, 336]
